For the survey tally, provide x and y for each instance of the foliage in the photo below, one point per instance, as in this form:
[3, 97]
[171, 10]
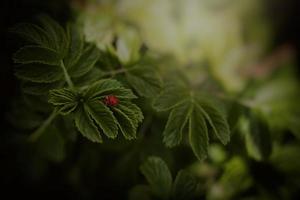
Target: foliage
[106, 78]
[161, 184]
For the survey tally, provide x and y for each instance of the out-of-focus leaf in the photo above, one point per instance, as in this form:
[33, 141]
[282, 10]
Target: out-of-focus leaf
[36, 54]
[32, 33]
[184, 186]
[56, 34]
[158, 176]
[217, 121]
[170, 97]
[86, 62]
[257, 137]
[39, 88]
[86, 126]
[145, 80]
[198, 133]
[76, 45]
[39, 73]
[177, 120]
[51, 145]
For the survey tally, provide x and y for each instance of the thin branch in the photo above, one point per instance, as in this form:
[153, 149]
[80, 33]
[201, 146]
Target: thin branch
[37, 133]
[67, 77]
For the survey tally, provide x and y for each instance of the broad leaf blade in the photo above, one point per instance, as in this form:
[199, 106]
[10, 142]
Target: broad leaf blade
[39, 88]
[89, 78]
[121, 93]
[40, 73]
[32, 33]
[176, 123]
[76, 45]
[126, 124]
[65, 100]
[36, 54]
[103, 117]
[134, 108]
[258, 139]
[86, 126]
[158, 175]
[67, 108]
[86, 62]
[198, 135]
[217, 121]
[144, 80]
[55, 33]
[62, 96]
[170, 97]
[185, 186]
[97, 89]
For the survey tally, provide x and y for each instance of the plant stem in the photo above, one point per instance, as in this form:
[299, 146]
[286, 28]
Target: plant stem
[67, 77]
[37, 133]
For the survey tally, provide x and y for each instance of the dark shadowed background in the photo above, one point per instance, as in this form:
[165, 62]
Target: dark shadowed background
[14, 179]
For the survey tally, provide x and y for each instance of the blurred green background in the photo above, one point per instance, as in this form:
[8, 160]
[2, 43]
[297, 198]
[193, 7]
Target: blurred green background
[238, 44]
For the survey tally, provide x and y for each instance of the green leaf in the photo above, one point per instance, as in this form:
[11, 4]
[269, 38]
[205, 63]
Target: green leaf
[40, 73]
[176, 123]
[65, 100]
[103, 117]
[88, 78]
[185, 186]
[186, 108]
[121, 93]
[125, 123]
[97, 89]
[39, 88]
[62, 96]
[36, 54]
[56, 34]
[198, 135]
[86, 62]
[133, 108]
[109, 87]
[258, 139]
[76, 45]
[170, 97]
[32, 33]
[67, 108]
[158, 175]
[217, 121]
[145, 80]
[86, 126]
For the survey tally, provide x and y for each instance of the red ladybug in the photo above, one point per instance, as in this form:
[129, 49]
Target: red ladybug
[111, 100]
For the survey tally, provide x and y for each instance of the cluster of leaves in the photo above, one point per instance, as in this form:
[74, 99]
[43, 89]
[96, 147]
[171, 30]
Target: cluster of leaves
[58, 59]
[90, 112]
[161, 185]
[69, 80]
[192, 112]
[52, 54]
